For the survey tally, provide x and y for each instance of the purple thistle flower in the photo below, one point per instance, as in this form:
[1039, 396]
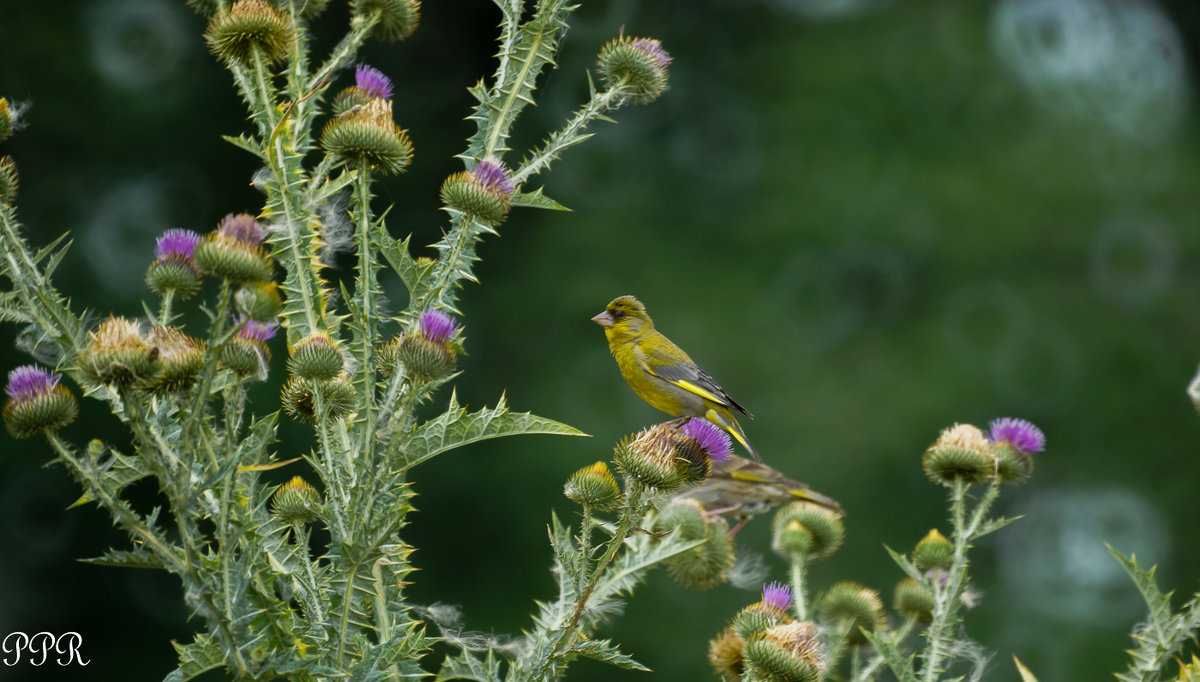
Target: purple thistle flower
[256, 331]
[709, 437]
[176, 242]
[30, 381]
[493, 175]
[242, 228]
[653, 49]
[777, 596]
[1018, 433]
[372, 81]
[438, 326]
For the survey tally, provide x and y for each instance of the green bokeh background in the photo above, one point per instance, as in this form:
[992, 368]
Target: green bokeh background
[868, 223]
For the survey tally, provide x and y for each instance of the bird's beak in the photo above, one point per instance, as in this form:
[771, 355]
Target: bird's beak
[604, 319]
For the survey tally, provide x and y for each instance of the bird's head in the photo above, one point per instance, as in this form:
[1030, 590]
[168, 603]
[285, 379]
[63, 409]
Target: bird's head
[624, 317]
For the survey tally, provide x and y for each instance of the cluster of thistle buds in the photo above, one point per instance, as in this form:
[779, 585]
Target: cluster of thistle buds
[964, 454]
[765, 642]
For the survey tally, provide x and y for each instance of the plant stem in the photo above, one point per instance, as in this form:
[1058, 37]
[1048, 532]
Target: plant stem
[799, 595]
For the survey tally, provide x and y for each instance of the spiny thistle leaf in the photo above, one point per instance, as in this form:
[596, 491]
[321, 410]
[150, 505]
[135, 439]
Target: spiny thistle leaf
[536, 199]
[606, 652]
[901, 665]
[457, 427]
[131, 558]
[197, 658]
[467, 666]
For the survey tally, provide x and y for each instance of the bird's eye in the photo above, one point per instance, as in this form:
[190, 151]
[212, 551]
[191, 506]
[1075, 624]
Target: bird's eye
[618, 314]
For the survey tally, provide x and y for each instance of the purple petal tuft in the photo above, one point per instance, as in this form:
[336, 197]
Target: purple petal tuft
[242, 228]
[710, 437]
[493, 175]
[372, 81]
[777, 595]
[1018, 433]
[653, 49]
[438, 326]
[176, 242]
[29, 381]
[257, 331]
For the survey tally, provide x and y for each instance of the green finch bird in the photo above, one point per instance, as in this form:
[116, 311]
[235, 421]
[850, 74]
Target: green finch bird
[745, 489]
[662, 374]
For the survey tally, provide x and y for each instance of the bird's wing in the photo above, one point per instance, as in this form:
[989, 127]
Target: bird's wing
[689, 377]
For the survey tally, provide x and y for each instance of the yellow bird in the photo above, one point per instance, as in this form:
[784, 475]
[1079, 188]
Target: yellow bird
[745, 489]
[662, 374]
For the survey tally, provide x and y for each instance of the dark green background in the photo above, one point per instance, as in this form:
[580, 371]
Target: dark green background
[867, 226]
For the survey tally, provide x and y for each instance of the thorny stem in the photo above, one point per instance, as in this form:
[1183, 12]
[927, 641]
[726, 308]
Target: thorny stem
[799, 595]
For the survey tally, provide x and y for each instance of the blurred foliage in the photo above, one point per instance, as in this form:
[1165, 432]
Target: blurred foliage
[867, 226]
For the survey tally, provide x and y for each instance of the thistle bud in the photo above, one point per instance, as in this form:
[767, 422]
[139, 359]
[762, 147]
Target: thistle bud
[397, 19]
[369, 84]
[296, 503]
[698, 445]
[250, 28]
[234, 251]
[594, 487]
[431, 351]
[485, 192]
[726, 655]
[823, 526]
[180, 357]
[855, 607]
[258, 300]
[117, 353]
[246, 354]
[790, 652]
[37, 402]
[768, 612]
[316, 357]
[337, 396]
[910, 599]
[1013, 443]
[961, 452]
[933, 551]
[366, 135]
[8, 181]
[636, 65]
[7, 122]
[706, 565]
[174, 270]
[649, 458]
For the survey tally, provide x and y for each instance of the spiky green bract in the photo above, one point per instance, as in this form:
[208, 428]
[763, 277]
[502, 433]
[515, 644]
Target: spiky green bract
[853, 606]
[117, 353]
[961, 452]
[176, 276]
[250, 28]
[425, 358]
[636, 66]
[316, 357]
[258, 300]
[726, 655]
[232, 259]
[790, 652]
[367, 135]
[302, 396]
[756, 618]
[593, 486]
[180, 357]
[911, 599]
[9, 180]
[348, 99]
[37, 402]
[1013, 465]
[296, 503]
[933, 551]
[244, 357]
[397, 19]
[823, 526]
[706, 565]
[649, 457]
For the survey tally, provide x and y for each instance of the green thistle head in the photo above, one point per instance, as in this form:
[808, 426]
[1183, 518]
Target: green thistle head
[961, 453]
[636, 65]
[250, 28]
[366, 136]
[316, 357]
[9, 180]
[37, 402]
[789, 652]
[296, 503]
[854, 607]
[300, 398]
[594, 486]
[396, 19]
[118, 353]
[808, 529]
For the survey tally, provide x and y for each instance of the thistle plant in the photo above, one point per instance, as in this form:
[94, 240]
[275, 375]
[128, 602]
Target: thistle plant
[308, 579]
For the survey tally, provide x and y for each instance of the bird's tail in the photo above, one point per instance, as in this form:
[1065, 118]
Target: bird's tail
[809, 495]
[730, 425]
